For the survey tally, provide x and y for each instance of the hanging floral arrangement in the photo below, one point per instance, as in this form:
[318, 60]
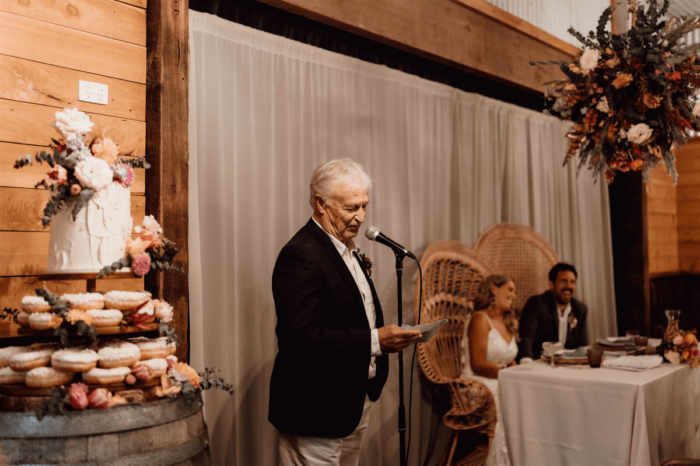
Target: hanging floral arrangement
[631, 97]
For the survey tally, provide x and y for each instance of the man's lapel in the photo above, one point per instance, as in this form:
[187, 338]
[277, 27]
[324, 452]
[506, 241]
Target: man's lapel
[553, 316]
[334, 256]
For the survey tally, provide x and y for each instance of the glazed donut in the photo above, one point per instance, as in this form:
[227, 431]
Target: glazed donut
[10, 377]
[44, 320]
[157, 348]
[125, 300]
[105, 317]
[85, 301]
[23, 362]
[74, 360]
[43, 377]
[23, 319]
[32, 304]
[7, 353]
[106, 376]
[158, 366]
[123, 354]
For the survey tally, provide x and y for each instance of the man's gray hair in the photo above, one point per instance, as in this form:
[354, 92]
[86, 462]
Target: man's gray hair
[337, 171]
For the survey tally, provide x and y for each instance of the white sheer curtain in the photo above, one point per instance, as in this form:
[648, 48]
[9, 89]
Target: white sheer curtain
[264, 112]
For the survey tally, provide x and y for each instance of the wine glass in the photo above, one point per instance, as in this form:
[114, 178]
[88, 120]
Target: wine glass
[552, 347]
[671, 315]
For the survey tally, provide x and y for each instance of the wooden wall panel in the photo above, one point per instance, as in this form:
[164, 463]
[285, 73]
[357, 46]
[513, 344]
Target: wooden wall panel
[38, 83]
[106, 18]
[689, 206]
[23, 253]
[138, 3]
[35, 40]
[25, 123]
[22, 209]
[662, 221]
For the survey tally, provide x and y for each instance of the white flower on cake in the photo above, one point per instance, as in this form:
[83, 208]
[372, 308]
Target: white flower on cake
[589, 60]
[603, 105]
[639, 133]
[149, 223]
[93, 173]
[164, 312]
[696, 110]
[72, 122]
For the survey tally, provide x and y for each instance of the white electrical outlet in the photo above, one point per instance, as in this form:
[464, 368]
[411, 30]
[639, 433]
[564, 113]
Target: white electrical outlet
[93, 92]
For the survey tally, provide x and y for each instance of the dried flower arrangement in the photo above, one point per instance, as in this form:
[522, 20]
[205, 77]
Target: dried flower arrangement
[78, 168]
[680, 345]
[631, 96]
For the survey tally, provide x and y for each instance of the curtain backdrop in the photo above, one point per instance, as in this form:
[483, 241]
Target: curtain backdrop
[264, 112]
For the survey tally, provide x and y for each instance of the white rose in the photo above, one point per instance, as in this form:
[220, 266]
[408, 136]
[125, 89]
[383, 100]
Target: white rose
[589, 60]
[93, 173]
[149, 223]
[603, 105]
[147, 309]
[71, 122]
[164, 312]
[696, 110]
[639, 133]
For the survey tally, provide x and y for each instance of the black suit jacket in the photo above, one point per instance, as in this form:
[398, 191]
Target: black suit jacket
[539, 323]
[319, 380]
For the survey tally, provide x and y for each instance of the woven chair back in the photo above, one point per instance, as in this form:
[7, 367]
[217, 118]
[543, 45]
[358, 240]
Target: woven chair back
[520, 252]
[452, 273]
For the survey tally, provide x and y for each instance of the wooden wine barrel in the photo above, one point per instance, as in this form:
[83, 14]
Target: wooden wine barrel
[160, 433]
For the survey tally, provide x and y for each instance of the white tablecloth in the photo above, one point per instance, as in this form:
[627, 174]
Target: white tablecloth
[584, 416]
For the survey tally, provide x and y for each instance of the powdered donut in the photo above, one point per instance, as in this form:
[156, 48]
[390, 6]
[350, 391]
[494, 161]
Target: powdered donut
[47, 377]
[23, 362]
[105, 317]
[74, 360]
[125, 300]
[7, 353]
[157, 348]
[106, 376]
[158, 366]
[122, 354]
[9, 377]
[44, 320]
[85, 301]
[23, 319]
[32, 304]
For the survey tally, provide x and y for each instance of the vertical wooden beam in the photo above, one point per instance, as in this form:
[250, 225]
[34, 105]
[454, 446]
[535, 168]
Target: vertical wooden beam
[167, 150]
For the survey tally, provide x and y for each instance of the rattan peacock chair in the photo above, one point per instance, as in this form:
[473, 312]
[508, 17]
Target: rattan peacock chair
[452, 273]
[520, 252]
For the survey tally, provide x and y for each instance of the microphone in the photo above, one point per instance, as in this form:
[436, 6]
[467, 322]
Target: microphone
[373, 234]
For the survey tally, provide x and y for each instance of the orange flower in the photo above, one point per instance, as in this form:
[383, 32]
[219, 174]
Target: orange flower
[75, 315]
[622, 80]
[105, 149]
[188, 372]
[636, 164]
[652, 101]
[137, 246]
[691, 339]
[166, 387]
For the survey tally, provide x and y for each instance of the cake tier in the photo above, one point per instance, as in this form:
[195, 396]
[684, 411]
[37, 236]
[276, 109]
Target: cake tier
[98, 235]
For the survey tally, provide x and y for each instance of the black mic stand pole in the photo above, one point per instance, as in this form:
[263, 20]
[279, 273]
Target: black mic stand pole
[402, 409]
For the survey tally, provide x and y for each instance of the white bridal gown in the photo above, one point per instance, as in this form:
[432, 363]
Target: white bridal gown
[500, 353]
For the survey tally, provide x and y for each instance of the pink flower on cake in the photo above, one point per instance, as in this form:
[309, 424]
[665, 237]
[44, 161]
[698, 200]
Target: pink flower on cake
[78, 396]
[58, 174]
[71, 123]
[141, 264]
[99, 398]
[124, 174]
[164, 312]
[639, 133]
[75, 189]
[93, 173]
[105, 149]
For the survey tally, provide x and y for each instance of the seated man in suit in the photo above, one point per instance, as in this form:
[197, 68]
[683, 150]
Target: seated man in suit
[333, 344]
[553, 316]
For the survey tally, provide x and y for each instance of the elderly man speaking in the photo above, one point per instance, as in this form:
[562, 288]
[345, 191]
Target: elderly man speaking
[333, 344]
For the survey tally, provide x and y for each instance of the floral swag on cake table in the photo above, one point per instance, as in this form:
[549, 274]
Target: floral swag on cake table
[680, 345]
[631, 97]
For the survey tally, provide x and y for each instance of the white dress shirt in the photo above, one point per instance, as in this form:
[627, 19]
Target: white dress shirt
[346, 253]
[563, 323]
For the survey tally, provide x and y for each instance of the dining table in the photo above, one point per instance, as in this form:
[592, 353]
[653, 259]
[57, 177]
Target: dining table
[578, 415]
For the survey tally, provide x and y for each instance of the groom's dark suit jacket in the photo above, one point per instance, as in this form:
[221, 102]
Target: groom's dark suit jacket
[539, 323]
[319, 380]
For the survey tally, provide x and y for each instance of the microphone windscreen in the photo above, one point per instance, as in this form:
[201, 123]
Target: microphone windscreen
[371, 233]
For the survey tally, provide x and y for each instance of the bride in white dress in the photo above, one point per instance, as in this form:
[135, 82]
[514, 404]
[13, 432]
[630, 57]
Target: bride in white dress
[490, 345]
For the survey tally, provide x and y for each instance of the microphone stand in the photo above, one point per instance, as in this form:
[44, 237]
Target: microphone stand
[402, 409]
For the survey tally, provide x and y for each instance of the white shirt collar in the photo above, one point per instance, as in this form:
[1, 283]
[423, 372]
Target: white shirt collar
[337, 243]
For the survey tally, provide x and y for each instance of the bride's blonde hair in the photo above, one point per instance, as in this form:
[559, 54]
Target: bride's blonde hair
[486, 298]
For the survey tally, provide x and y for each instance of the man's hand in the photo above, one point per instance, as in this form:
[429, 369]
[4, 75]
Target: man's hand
[393, 339]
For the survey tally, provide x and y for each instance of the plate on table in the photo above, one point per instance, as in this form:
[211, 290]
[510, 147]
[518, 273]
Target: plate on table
[576, 356]
[634, 363]
[615, 342]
